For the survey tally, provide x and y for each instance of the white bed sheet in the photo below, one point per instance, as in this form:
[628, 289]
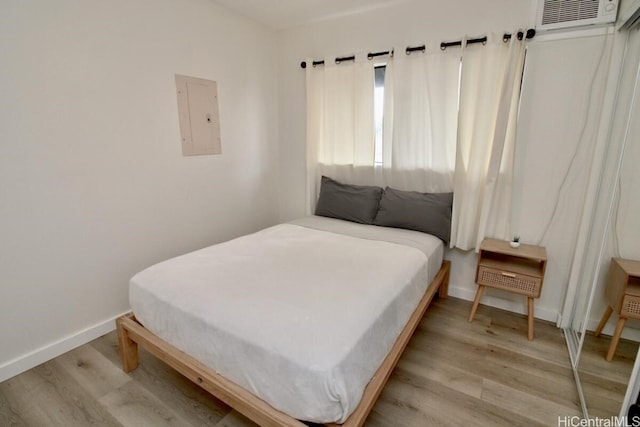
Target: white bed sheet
[301, 314]
[431, 246]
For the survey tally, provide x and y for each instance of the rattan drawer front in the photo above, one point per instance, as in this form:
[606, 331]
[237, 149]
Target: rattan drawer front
[630, 306]
[509, 281]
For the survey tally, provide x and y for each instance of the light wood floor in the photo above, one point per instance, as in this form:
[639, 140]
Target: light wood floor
[605, 383]
[453, 373]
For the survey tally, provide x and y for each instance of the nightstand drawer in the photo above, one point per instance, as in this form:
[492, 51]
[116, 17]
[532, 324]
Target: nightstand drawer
[630, 306]
[509, 281]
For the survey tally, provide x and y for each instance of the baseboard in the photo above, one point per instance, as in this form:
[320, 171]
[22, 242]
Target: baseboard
[513, 306]
[50, 351]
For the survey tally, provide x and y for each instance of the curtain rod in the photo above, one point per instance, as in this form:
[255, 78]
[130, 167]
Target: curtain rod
[340, 59]
[445, 45]
[376, 54]
[530, 33]
[505, 38]
[409, 50]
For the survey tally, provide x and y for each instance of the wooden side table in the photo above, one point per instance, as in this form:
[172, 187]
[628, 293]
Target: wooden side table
[623, 296]
[519, 270]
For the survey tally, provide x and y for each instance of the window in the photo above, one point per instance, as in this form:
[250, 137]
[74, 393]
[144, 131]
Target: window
[378, 112]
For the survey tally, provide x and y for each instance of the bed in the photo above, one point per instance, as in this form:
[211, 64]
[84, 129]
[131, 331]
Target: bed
[300, 321]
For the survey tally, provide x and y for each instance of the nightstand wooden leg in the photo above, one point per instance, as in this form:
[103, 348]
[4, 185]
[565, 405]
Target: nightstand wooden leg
[603, 321]
[530, 313]
[476, 302]
[616, 338]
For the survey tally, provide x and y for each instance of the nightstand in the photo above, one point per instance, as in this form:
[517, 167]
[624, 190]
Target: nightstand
[519, 270]
[623, 297]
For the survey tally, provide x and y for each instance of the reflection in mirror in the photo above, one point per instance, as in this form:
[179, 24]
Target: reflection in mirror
[609, 282]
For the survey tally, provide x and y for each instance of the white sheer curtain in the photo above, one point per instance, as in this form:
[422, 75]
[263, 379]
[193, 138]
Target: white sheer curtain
[424, 96]
[449, 125]
[340, 123]
[489, 96]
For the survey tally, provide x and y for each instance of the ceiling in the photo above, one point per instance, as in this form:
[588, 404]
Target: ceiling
[281, 14]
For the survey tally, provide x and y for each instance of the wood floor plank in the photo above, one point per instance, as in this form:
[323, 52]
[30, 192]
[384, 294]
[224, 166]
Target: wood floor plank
[538, 379]
[92, 370]
[507, 338]
[605, 383]
[549, 343]
[133, 405]
[47, 395]
[593, 361]
[535, 408]
[235, 419]
[16, 409]
[603, 396]
[528, 364]
[418, 366]
[390, 410]
[433, 404]
[107, 345]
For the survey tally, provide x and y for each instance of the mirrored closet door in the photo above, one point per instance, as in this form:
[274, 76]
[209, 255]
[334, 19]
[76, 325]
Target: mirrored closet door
[606, 276]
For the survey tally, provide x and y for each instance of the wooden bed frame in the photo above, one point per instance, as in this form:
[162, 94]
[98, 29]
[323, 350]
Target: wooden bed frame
[131, 334]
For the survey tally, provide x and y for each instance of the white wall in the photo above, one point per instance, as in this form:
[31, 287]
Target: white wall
[544, 147]
[93, 186]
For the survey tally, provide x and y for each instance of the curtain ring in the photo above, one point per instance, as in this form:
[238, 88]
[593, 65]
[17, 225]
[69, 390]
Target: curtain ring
[409, 49]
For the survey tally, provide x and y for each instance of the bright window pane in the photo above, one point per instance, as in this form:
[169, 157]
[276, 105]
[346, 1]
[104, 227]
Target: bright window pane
[378, 111]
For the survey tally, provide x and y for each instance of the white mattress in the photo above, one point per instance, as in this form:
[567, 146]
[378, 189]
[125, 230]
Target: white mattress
[300, 314]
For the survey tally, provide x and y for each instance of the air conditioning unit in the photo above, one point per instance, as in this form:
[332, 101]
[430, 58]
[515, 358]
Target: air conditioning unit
[557, 14]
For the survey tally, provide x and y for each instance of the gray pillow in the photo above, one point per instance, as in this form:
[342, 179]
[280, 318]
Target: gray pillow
[356, 203]
[426, 212]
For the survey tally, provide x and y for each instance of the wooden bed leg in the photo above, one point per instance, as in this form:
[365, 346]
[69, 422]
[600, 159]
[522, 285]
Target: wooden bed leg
[443, 290]
[127, 347]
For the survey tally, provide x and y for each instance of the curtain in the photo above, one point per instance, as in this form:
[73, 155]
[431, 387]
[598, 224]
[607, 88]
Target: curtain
[489, 96]
[449, 125]
[424, 97]
[340, 123]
